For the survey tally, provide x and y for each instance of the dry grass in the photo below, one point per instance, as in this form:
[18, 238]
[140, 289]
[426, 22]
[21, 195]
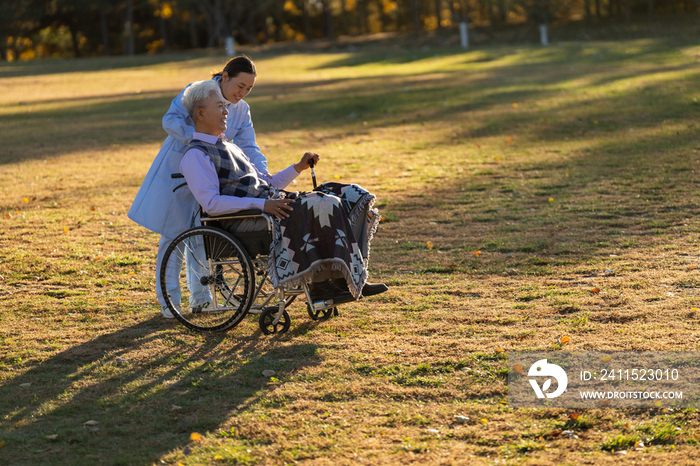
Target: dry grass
[511, 180]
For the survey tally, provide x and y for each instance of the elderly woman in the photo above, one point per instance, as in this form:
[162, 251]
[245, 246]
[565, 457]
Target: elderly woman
[321, 236]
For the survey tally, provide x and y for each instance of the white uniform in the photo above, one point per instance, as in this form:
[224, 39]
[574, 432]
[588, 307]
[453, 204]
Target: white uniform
[169, 213]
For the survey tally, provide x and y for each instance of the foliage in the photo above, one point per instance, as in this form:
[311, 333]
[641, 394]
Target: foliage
[56, 28]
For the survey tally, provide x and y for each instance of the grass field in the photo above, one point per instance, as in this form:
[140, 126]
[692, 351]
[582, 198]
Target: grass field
[512, 181]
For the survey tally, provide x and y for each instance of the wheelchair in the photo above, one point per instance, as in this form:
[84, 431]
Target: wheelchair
[211, 279]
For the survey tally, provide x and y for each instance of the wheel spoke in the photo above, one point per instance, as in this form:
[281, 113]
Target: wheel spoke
[207, 265]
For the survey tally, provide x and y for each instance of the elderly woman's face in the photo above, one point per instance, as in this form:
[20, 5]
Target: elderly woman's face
[236, 88]
[212, 117]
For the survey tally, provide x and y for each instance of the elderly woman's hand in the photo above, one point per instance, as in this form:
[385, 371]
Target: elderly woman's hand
[304, 162]
[278, 207]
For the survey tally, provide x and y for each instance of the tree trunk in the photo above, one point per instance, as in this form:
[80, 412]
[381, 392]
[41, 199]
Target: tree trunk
[438, 7]
[103, 28]
[193, 31]
[74, 40]
[358, 18]
[344, 18]
[453, 13]
[129, 28]
[278, 21]
[587, 5]
[415, 14]
[597, 9]
[328, 13]
[163, 32]
[628, 12]
[305, 19]
[3, 48]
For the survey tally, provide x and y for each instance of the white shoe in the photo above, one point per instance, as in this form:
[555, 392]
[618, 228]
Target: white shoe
[165, 311]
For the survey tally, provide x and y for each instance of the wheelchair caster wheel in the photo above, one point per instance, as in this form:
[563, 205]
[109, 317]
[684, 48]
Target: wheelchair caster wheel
[268, 316]
[321, 314]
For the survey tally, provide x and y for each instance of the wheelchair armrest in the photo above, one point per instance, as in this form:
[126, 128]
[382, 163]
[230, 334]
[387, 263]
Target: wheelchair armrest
[240, 213]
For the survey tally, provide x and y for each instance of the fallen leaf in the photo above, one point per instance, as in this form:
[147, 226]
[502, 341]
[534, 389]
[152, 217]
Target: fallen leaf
[175, 408]
[194, 436]
[595, 122]
[2, 443]
[499, 350]
[484, 421]
[604, 403]
[551, 233]
[515, 105]
[551, 199]
[595, 291]
[268, 373]
[564, 339]
[509, 140]
[574, 416]
[381, 219]
[692, 267]
[478, 146]
[52, 437]
[429, 244]
[476, 253]
[463, 419]
[92, 208]
[555, 433]
[26, 199]
[90, 423]
[52, 161]
[66, 229]
[658, 404]
[337, 177]
[8, 216]
[607, 358]
[518, 368]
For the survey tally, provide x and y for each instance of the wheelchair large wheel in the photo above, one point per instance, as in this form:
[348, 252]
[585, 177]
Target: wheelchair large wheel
[207, 279]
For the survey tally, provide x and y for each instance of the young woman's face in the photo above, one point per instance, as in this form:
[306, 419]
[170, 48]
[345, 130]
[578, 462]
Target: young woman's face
[236, 88]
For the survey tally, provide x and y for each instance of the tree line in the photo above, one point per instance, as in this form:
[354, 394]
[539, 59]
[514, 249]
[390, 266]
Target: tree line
[75, 28]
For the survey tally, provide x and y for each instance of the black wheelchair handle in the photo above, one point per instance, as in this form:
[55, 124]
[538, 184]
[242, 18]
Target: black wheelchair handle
[176, 175]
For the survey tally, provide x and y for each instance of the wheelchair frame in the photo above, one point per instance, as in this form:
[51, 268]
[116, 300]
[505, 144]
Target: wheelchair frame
[224, 254]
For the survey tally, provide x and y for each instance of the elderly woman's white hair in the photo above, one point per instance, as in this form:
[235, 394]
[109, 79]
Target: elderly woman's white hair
[197, 94]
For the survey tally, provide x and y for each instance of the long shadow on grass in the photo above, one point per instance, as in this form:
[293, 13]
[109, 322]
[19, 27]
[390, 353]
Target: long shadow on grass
[147, 390]
[455, 97]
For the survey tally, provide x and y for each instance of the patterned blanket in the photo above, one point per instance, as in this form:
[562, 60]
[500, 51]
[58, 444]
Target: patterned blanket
[330, 228]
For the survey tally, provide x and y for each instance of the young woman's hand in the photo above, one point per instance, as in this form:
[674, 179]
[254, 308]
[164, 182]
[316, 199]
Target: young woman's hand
[278, 207]
[304, 162]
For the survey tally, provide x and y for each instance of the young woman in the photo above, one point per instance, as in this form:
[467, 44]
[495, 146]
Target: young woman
[169, 213]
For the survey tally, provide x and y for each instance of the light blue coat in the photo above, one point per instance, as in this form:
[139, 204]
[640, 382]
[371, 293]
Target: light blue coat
[169, 213]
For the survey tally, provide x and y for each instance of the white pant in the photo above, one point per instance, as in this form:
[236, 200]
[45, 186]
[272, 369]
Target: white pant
[194, 260]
